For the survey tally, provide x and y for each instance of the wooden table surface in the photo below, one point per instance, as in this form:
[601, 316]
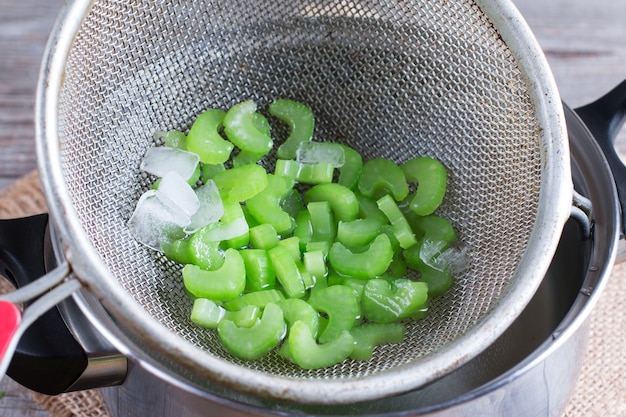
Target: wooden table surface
[584, 41]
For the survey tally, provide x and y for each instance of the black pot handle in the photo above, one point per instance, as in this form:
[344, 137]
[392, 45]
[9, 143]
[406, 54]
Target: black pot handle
[48, 359]
[604, 118]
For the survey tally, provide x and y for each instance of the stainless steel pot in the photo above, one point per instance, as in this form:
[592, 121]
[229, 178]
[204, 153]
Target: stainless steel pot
[62, 86]
[530, 370]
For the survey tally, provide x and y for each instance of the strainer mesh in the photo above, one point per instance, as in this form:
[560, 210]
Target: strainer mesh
[394, 79]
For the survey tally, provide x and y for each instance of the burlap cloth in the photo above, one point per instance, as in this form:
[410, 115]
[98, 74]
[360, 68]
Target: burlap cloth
[600, 391]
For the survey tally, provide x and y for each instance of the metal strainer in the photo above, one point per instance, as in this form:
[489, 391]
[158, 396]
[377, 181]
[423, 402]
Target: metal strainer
[462, 81]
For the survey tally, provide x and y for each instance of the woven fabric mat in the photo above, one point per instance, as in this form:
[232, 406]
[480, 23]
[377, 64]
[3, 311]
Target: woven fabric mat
[600, 391]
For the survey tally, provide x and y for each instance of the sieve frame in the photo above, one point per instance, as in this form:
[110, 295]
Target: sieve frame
[555, 203]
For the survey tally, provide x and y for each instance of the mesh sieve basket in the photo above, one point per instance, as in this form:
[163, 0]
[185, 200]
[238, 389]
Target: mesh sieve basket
[461, 81]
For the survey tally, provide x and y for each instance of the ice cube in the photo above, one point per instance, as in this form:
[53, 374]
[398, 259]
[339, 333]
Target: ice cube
[211, 208]
[452, 260]
[154, 221]
[160, 160]
[174, 189]
[430, 250]
[314, 152]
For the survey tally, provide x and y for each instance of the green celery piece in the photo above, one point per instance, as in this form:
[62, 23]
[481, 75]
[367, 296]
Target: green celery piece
[292, 203]
[206, 313]
[205, 140]
[265, 207]
[431, 177]
[243, 157]
[292, 244]
[356, 284]
[287, 271]
[263, 236]
[195, 250]
[370, 263]
[401, 228]
[390, 231]
[248, 316]
[438, 282]
[389, 301]
[398, 267]
[306, 353]
[350, 172]
[323, 224]
[283, 350]
[256, 298]
[249, 219]
[303, 229]
[175, 139]
[324, 247]
[308, 279]
[225, 283]
[381, 176]
[287, 168]
[369, 335]
[295, 309]
[209, 171]
[342, 200]
[206, 254]
[315, 263]
[252, 343]
[234, 212]
[435, 228]
[260, 273]
[262, 124]
[359, 232]
[241, 183]
[368, 209]
[178, 251]
[305, 173]
[193, 180]
[240, 129]
[246, 158]
[320, 283]
[301, 122]
[341, 306]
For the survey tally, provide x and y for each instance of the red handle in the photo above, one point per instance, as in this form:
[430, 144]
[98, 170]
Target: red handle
[10, 318]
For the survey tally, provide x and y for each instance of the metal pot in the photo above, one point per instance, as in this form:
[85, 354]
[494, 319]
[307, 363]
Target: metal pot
[530, 370]
[476, 92]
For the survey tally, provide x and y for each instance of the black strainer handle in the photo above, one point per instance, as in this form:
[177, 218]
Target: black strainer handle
[604, 118]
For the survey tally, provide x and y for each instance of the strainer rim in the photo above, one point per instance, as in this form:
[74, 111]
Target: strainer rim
[554, 205]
